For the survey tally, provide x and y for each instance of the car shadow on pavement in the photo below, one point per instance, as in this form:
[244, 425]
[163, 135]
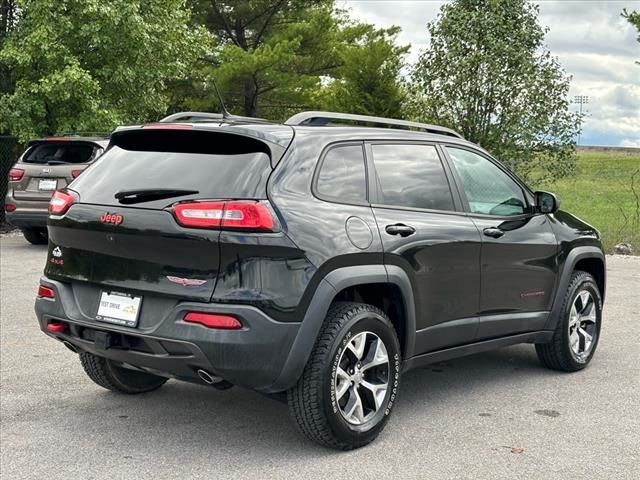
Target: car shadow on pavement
[204, 421]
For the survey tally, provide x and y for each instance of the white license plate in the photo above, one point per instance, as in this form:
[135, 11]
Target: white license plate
[119, 308]
[48, 184]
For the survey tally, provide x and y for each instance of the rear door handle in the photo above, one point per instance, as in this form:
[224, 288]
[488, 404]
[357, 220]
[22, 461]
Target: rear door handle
[493, 232]
[400, 229]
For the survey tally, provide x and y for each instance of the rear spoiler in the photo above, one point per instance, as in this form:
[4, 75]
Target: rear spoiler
[190, 138]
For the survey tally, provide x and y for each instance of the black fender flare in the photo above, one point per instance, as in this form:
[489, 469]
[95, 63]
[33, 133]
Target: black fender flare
[326, 291]
[574, 256]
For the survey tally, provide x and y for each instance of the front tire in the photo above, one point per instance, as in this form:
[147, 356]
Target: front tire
[35, 235]
[109, 375]
[350, 383]
[577, 332]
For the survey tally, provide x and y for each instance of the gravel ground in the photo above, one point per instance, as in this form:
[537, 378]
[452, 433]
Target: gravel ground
[492, 415]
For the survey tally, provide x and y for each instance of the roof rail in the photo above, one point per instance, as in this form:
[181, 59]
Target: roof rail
[324, 118]
[197, 117]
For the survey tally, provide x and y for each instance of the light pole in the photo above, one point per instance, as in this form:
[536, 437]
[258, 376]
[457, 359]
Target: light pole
[581, 100]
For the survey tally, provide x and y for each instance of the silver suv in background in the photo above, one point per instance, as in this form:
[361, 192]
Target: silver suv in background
[45, 166]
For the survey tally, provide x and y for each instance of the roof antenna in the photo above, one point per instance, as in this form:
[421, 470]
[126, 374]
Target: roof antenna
[225, 113]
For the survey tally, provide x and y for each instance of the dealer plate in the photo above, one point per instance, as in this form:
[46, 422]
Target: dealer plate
[119, 308]
[47, 184]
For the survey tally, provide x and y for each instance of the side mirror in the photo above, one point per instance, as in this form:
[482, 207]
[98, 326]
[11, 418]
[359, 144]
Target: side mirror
[547, 202]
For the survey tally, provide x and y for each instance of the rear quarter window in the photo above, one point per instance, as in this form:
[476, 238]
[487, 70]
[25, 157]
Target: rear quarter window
[342, 175]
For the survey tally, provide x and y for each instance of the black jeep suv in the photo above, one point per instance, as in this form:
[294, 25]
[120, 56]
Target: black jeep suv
[313, 258]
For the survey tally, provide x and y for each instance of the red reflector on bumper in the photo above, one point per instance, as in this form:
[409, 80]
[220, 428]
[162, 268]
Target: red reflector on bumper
[46, 292]
[213, 320]
[56, 327]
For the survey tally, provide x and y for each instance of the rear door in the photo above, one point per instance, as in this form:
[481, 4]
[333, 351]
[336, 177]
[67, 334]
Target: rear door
[122, 234]
[50, 165]
[424, 231]
[519, 247]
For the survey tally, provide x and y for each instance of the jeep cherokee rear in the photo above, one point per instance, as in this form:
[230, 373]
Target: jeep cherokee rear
[46, 165]
[320, 262]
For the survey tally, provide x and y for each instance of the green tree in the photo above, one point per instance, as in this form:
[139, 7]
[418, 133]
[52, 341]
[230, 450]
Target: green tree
[270, 54]
[488, 74]
[634, 19]
[91, 65]
[368, 79]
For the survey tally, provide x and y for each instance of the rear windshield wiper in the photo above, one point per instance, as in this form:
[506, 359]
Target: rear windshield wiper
[149, 194]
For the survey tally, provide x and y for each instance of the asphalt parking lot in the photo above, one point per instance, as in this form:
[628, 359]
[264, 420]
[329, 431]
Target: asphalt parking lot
[493, 415]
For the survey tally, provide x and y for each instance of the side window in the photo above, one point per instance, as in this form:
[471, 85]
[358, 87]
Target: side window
[489, 190]
[411, 176]
[342, 175]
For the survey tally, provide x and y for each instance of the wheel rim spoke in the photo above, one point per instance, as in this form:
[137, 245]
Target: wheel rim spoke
[357, 345]
[377, 355]
[590, 315]
[343, 382]
[378, 391]
[354, 410]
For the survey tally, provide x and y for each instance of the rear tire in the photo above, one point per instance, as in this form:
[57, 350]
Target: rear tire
[35, 235]
[577, 331]
[350, 383]
[109, 375]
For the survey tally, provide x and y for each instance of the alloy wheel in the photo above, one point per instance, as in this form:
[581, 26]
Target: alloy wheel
[362, 378]
[582, 325]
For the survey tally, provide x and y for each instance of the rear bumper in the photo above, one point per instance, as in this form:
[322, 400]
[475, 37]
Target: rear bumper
[253, 357]
[27, 213]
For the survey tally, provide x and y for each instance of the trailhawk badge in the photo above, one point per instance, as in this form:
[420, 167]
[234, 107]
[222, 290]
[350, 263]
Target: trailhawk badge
[57, 252]
[186, 282]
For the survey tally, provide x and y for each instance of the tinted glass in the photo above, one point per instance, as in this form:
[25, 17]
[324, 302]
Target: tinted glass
[411, 176]
[342, 175]
[214, 176]
[59, 153]
[489, 190]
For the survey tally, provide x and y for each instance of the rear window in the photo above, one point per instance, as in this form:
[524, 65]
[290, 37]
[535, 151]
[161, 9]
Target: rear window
[208, 164]
[60, 153]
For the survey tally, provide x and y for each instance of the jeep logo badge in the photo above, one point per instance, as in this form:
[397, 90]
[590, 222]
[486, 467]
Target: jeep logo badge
[111, 218]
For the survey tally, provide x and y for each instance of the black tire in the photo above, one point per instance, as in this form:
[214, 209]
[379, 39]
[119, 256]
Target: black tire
[312, 401]
[557, 354]
[35, 235]
[109, 375]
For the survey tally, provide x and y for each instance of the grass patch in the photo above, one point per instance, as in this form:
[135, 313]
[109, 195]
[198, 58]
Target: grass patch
[600, 193]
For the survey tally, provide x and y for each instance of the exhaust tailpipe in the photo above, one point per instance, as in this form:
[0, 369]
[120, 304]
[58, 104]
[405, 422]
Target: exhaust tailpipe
[207, 378]
[70, 346]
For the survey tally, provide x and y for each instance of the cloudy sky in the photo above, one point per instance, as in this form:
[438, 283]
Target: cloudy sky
[594, 44]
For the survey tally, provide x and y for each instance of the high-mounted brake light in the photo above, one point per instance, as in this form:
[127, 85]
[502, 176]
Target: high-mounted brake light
[60, 202]
[242, 215]
[167, 126]
[15, 174]
[46, 292]
[213, 320]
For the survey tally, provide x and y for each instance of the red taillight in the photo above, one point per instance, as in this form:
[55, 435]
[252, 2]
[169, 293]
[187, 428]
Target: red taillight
[213, 320]
[15, 174]
[60, 202]
[46, 292]
[56, 327]
[244, 215]
[9, 207]
[75, 173]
